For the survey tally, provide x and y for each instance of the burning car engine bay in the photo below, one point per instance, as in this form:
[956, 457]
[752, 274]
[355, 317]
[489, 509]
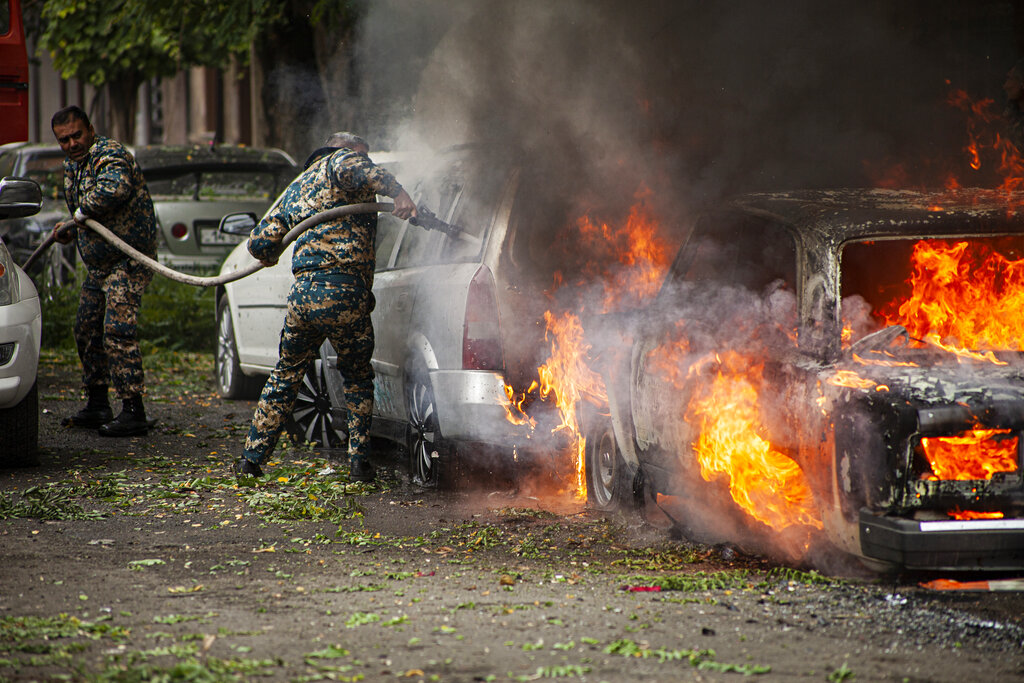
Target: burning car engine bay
[836, 365]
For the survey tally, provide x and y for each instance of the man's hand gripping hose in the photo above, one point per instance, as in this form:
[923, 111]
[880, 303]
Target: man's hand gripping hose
[156, 266]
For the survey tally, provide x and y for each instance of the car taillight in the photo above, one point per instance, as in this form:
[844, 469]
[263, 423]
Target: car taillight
[481, 338]
[179, 231]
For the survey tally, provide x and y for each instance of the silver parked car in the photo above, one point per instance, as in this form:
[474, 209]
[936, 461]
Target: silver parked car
[44, 164]
[456, 320]
[194, 186]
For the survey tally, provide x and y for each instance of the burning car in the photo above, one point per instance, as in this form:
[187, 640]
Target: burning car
[842, 365]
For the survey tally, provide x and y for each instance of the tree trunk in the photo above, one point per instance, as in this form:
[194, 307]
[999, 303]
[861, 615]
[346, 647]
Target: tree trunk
[294, 103]
[123, 104]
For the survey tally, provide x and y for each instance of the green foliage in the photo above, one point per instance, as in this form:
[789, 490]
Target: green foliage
[59, 305]
[173, 317]
[134, 40]
[177, 317]
[697, 581]
[843, 673]
[44, 502]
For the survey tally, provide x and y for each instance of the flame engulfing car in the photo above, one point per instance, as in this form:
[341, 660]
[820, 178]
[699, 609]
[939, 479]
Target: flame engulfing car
[843, 365]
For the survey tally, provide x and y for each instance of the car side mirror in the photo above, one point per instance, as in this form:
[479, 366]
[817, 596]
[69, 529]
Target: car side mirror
[19, 197]
[238, 223]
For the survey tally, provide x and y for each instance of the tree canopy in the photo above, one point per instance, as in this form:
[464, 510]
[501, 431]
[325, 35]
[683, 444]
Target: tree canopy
[122, 43]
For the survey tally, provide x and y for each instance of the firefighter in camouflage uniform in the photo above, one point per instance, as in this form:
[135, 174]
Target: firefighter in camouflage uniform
[331, 297]
[102, 181]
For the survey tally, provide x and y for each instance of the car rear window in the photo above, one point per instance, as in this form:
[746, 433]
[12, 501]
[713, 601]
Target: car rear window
[213, 184]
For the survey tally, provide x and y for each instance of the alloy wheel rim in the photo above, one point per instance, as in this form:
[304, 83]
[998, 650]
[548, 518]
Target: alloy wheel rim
[225, 353]
[421, 414]
[312, 411]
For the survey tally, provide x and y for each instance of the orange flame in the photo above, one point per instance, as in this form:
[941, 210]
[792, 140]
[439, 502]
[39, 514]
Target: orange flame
[964, 296]
[849, 378]
[957, 513]
[984, 139]
[629, 262]
[973, 455]
[635, 259]
[764, 482]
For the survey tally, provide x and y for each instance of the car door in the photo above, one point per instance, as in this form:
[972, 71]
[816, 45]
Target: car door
[260, 302]
[395, 289]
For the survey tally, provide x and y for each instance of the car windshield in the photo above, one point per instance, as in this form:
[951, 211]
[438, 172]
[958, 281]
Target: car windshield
[953, 293]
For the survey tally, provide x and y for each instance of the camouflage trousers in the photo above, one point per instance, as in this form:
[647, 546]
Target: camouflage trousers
[319, 310]
[106, 328]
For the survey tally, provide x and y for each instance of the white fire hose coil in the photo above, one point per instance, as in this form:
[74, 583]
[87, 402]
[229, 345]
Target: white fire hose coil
[197, 281]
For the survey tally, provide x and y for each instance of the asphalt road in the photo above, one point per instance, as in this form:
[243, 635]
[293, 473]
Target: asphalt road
[144, 559]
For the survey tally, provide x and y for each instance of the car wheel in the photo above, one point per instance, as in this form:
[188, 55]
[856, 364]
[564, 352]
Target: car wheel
[607, 487]
[428, 456]
[231, 381]
[19, 432]
[312, 417]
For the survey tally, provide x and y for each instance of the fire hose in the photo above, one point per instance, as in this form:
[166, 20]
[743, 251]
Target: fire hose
[425, 219]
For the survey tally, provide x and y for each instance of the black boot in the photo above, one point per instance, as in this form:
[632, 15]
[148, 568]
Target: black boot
[247, 468]
[361, 470]
[96, 412]
[131, 422]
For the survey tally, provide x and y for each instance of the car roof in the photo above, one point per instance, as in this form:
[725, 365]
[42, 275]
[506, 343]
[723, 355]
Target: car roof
[842, 215]
[170, 159]
[30, 147]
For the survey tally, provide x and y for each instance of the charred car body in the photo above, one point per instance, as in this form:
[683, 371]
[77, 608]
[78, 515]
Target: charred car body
[841, 362]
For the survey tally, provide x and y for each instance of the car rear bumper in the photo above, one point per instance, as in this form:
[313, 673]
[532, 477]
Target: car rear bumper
[192, 262]
[471, 407]
[20, 326]
[990, 544]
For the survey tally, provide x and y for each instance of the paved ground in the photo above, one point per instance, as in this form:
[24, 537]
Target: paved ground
[142, 559]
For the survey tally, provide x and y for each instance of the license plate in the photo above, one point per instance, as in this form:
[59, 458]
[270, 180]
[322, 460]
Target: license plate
[213, 236]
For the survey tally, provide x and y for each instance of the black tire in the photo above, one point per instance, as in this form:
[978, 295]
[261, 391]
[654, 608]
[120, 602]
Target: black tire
[608, 488]
[312, 417]
[429, 456]
[231, 381]
[19, 432]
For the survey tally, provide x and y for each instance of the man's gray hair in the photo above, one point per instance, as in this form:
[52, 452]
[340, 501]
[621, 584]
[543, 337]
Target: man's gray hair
[345, 139]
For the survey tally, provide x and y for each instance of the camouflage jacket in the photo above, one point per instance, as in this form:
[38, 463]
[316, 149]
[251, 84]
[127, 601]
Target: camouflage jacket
[343, 246]
[108, 186]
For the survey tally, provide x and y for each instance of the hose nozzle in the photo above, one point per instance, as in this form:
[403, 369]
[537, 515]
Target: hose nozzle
[426, 219]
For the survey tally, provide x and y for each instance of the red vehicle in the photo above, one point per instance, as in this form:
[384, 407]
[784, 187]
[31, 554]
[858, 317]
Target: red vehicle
[13, 74]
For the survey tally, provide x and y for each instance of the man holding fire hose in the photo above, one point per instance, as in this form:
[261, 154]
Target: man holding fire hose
[331, 297]
[102, 181]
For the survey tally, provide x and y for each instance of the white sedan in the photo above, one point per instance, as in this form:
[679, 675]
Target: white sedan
[20, 333]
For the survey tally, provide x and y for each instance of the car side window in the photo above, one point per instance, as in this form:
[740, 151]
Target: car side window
[473, 215]
[751, 253]
[389, 229]
[6, 164]
[417, 247]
